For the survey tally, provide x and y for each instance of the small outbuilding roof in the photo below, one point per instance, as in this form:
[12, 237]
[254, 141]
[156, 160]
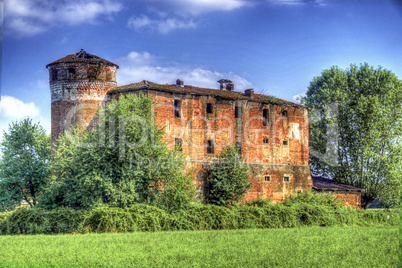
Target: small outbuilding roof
[82, 56]
[325, 184]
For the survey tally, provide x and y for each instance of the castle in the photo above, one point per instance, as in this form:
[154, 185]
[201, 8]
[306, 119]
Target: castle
[271, 133]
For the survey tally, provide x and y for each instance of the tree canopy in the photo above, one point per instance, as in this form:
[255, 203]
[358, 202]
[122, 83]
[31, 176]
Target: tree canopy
[24, 164]
[228, 177]
[356, 130]
[121, 162]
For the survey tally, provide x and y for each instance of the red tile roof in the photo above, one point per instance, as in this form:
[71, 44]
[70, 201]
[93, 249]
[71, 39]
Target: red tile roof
[187, 89]
[82, 56]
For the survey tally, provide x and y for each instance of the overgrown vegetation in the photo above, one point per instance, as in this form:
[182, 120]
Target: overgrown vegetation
[400, 238]
[228, 177]
[24, 164]
[121, 163]
[356, 130]
[300, 211]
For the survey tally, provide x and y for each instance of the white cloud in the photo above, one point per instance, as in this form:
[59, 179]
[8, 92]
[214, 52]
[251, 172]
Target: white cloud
[178, 14]
[144, 22]
[30, 17]
[138, 66]
[11, 107]
[296, 98]
[195, 7]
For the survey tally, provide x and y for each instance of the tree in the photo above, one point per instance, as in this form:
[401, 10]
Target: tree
[24, 164]
[356, 129]
[121, 162]
[228, 178]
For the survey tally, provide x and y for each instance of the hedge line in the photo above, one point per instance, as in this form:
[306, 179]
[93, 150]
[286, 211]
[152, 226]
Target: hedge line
[144, 218]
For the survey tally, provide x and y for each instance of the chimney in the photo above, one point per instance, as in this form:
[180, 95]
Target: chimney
[226, 84]
[179, 83]
[249, 92]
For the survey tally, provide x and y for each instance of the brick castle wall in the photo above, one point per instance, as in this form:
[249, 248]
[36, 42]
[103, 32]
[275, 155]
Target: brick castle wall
[275, 147]
[77, 91]
[274, 159]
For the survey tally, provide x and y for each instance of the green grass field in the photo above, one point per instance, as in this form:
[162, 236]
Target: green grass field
[400, 239]
[297, 247]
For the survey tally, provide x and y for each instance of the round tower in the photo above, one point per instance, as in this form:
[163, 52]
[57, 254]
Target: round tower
[78, 85]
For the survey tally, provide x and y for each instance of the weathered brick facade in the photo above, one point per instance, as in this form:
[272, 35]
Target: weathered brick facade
[78, 86]
[272, 133]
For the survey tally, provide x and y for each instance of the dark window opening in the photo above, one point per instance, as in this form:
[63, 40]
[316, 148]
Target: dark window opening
[92, 74]
[285, 114]
[210, 147]
[286, 179]
[177, 108]
[237, 112]
[71, 73]
[266, 140]
[267, 178]
[108, 76]
[54, 75]
[209, 108]
[238, 145]
[265, 114]
[285, 142]
[178, 144]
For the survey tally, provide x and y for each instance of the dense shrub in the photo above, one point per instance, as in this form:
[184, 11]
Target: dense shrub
[27, 220]
[299, 211]
[139, 217]
[261, 202]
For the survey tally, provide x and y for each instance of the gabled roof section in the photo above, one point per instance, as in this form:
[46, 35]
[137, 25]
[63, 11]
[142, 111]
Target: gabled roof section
[324, 184]
[187, 89]
[84, 57]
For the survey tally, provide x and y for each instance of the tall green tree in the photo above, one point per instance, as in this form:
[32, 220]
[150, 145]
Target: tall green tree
[228, 177]
[356, 130]
[24, 164]
[121, 162]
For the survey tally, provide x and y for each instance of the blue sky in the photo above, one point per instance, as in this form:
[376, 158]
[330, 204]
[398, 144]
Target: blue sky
[273, 46]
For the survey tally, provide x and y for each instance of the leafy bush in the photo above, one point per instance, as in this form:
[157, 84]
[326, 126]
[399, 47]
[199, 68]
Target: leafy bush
[118, 174]
[316, 211]
[228, 178]
[139, 217]
[39, 221]
[319, 199]
[261, 202]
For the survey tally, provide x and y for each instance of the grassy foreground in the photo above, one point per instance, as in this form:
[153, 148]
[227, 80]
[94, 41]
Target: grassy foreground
[400, 239]
[296, 247]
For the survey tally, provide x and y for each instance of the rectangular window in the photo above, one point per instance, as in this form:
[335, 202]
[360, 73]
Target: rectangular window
[266, 140]
[237, 112]
[177, 108]
[285, 114]
[286, 179]
[210, 147]
[209, 108]
[267, 178]
[265, 115]
[238, 145]
[285, 142]
[178, 143]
